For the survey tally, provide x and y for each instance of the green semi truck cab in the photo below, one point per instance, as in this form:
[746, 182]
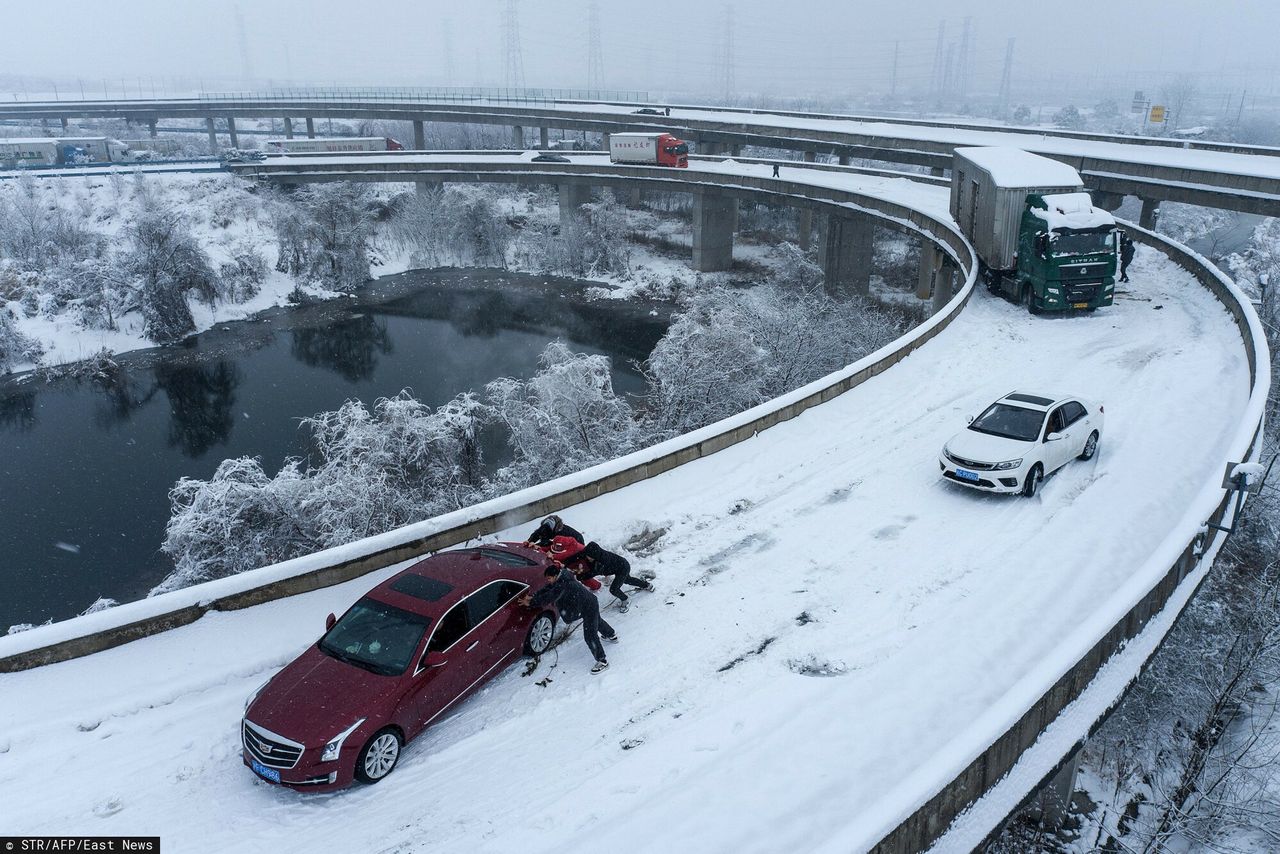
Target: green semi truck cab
[1039, 238]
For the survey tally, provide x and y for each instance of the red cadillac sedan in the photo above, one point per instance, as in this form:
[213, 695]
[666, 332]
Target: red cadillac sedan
[409, 649]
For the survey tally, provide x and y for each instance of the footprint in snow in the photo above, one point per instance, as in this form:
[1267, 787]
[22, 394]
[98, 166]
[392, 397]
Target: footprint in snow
[815, 665]
[108, 808]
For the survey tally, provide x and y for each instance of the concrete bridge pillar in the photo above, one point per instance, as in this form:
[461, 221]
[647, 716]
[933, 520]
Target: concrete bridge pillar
[714, 219]
[929, 262]
[735, 150]
[805, 238]
[544, 138]
[604, 142]
[419, 135]
[65, 123]
[1053, 801]
[517, 137]
[844, 160]
[231, 132]
[943, 284]
[846, 260]
[1150, 214]
[572, 197]
[937, 171]
[635, 198]
[311, 128]
[213, 136]
[288, 128]
[151, 127]
[709, 147]
[1107, 201]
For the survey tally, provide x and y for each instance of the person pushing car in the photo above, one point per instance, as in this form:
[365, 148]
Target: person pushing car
[573, 600]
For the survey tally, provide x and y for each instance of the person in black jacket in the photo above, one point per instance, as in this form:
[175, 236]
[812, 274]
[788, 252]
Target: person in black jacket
[594, 560]
[552, 527]
[573, 600]
[1126, 256]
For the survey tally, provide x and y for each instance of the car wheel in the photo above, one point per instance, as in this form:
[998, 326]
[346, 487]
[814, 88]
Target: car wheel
[540, 633]
[1090, 447]
[379, 757]
[1032, 484]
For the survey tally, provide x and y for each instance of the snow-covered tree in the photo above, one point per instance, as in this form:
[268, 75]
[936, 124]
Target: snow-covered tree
[15, 347]
[166, 262]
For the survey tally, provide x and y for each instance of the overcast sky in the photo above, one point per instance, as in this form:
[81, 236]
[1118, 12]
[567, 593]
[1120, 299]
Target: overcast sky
[788, 48]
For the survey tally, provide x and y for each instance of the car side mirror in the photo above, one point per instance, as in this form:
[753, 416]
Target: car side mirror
[329, 621]
[1053, 437]
[435, 658]
[970, 421]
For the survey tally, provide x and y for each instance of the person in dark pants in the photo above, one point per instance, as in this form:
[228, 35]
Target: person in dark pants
[594, 560]
[553, 526]
[775, 170]
[668, 111]
[573, 600]
[1126, 256]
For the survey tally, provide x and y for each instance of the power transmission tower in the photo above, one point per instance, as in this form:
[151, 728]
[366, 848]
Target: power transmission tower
[595, 50]
[446, 35]
[246, 65]
[514, 75]
[948, 70]
[727, 60]
[1006, 79]
[935, 80]
[893, 81]
[962, 63]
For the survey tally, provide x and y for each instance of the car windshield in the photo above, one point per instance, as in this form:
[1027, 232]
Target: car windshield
[1068, 242]
[1011, 422]
[375, 636]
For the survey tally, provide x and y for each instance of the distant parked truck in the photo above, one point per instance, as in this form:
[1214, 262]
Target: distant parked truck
[61, 151]
[333, 144]
[653, 149]
[1038, 236]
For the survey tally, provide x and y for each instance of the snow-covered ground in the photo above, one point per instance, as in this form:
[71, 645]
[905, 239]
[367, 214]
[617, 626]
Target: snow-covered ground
[830, 617]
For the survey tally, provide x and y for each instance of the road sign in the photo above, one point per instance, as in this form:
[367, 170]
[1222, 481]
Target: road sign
[1139, 102]
[1157, 114]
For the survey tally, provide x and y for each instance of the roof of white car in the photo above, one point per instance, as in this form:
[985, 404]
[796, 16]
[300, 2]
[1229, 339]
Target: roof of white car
[1031, 400]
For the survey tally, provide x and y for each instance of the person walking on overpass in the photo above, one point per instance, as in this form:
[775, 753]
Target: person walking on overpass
[1126, 256]
[594, 560]
[775, 170]
[573, 600]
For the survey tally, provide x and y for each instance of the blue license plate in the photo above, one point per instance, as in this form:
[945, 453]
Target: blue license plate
[264, 772]
[967, 475]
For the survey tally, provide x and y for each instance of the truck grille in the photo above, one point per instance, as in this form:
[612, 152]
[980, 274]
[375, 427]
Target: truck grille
[274, 751]
[969, 464]
[1081, 292]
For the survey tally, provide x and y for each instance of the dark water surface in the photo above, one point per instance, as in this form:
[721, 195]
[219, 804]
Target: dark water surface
[86, 467]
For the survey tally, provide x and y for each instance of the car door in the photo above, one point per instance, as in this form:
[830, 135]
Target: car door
[1054, 451]
[498, 621]
[1078, 427]
[436, 686]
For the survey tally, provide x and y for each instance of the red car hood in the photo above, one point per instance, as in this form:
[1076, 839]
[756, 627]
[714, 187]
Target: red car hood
[316, 697]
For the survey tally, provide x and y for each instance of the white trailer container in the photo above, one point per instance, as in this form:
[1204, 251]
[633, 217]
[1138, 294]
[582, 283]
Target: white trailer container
[28, 152]
[634, 147]
[101, 149]
[332, 144]
[989, 189]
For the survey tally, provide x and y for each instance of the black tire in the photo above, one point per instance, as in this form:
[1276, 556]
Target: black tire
[1032, 484]
[386, 755]
[1090, 447]
[1029, 294]
[538, 640]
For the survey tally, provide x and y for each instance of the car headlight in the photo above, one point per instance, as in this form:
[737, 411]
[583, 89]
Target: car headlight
[254, 695]
[1008, 464]
[334, 746]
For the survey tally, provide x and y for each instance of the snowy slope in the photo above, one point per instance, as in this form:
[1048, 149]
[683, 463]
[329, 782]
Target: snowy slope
[924, 603]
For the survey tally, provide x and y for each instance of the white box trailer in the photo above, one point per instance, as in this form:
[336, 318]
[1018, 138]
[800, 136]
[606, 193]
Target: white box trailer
[28, 152]
[989, 189]
[653, 149]
[332, 144]
[60, 150]
[101, 149]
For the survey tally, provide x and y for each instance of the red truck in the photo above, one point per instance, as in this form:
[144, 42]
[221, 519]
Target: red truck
[651, 149]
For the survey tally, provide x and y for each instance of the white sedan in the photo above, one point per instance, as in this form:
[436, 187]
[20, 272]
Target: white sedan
[1019, 440]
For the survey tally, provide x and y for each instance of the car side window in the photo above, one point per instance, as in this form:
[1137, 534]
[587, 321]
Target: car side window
[1073, 412]
[1056, 423]
[452, 626]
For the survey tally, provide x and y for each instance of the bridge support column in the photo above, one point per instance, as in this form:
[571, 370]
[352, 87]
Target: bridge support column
[937, 171]
[709, 147]
[231, 132]
[604, 142]
[846, 259]
[1053, 801]
[65, 123]
[213, 136]
[311, 128]
[714, 218]
[151, 128]
[1107, 201]
[805, 238]
[844, 160]
[943, 284]
[929, 262]
[288, 128]
[419, 135]
[544, 138]
[635, 198]
[735, 150]
[517, 137]
[1150, 213]
[572, 197]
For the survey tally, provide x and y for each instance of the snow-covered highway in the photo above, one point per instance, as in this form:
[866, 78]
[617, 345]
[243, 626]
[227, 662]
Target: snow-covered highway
[831, 617]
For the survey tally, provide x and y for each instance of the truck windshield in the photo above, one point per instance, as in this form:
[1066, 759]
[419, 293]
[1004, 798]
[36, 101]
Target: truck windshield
[376, 637]
[682, 148]
[1067, 242]
[1010, 422]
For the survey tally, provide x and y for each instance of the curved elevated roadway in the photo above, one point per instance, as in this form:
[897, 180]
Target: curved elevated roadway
[838, 634]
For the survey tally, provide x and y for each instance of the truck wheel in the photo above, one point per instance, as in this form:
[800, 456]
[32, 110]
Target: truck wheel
[1030, 293]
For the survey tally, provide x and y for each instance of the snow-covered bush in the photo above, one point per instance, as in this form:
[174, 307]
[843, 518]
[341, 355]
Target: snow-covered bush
[15, 348]
[243, 275]
[565, 418]
[165, 263]
[323, 233]
[591, 243]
